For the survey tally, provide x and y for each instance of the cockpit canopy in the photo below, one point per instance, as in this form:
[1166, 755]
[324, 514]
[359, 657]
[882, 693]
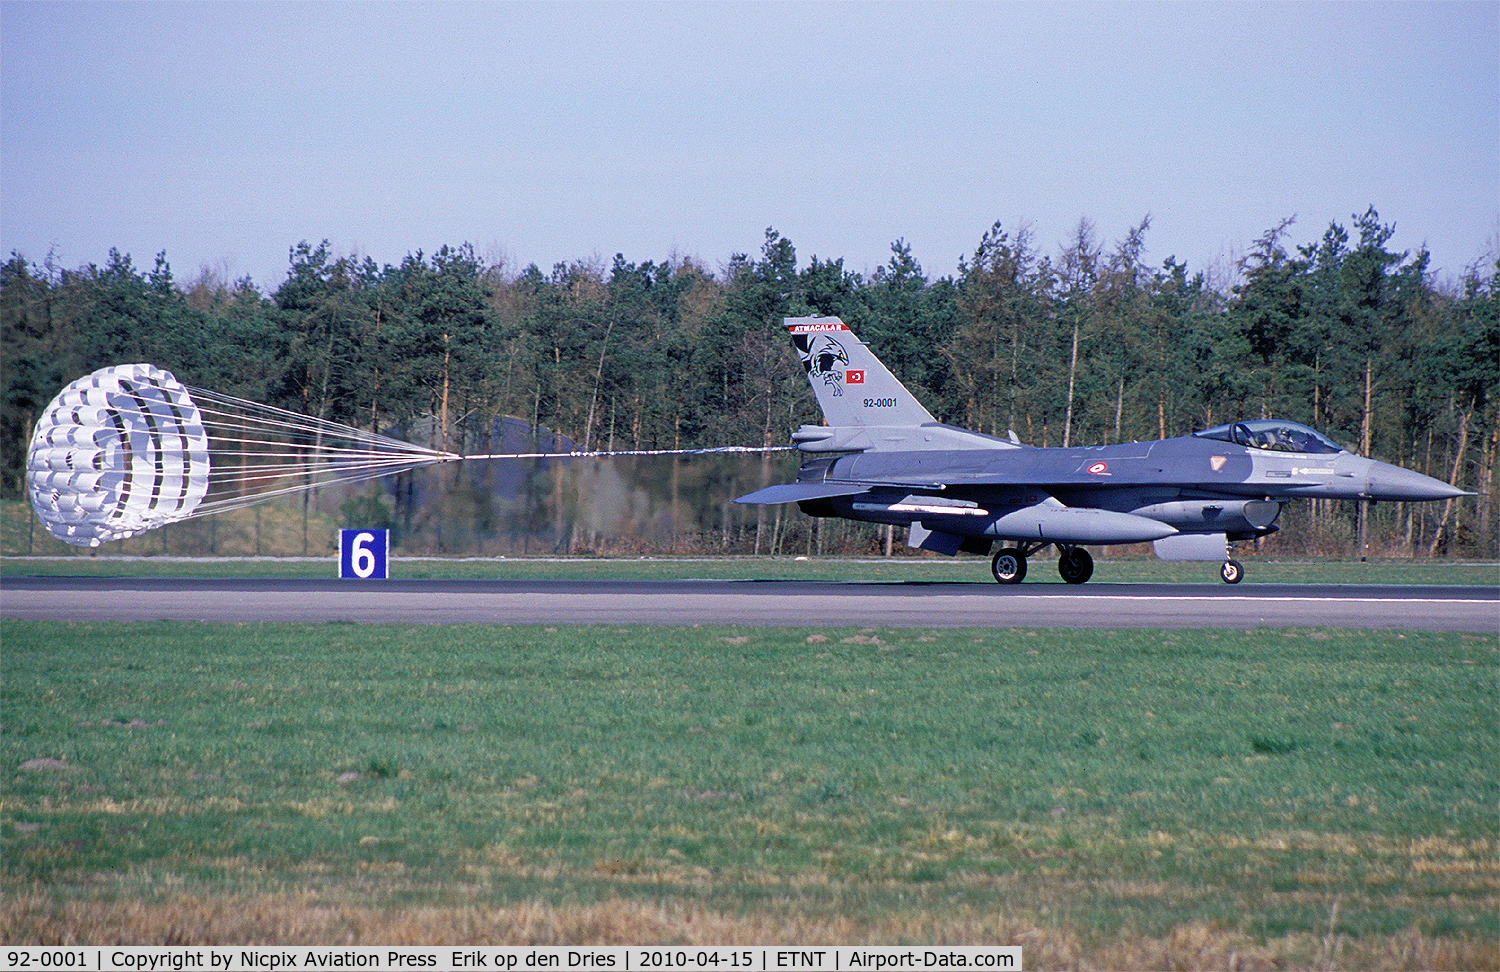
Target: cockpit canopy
[1273, 434]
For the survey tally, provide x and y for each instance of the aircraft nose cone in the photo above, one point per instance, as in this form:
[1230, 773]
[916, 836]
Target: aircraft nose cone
[1389, 482]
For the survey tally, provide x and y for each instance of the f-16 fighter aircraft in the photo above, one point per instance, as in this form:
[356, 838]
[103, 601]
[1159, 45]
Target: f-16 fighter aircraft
[955, 490]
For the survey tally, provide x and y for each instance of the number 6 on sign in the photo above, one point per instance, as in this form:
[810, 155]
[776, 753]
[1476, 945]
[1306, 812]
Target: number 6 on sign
[364, 554]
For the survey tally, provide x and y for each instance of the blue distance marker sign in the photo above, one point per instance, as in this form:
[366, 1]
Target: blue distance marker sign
[364, 554]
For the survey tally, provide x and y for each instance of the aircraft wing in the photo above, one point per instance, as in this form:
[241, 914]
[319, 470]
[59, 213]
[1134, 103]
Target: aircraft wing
[797, 492]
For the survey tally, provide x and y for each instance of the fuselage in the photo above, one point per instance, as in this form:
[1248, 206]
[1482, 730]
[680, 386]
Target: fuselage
[1189, 484]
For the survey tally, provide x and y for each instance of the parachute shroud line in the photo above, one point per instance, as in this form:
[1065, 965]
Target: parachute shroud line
[129, 448]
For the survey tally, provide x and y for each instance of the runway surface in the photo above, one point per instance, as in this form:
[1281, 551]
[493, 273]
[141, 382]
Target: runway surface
[771, 602]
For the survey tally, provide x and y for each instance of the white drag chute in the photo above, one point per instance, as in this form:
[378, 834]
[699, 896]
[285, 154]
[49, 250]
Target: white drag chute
[117, 452]
[129, 448]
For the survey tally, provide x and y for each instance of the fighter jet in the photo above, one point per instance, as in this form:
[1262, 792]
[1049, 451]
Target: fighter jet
[883, 458]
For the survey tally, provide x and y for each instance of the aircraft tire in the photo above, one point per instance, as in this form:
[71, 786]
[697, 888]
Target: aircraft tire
[1009, 565]
[1232, 572]
[1076, 565]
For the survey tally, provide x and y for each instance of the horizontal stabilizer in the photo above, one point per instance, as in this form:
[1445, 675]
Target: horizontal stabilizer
[797, 492]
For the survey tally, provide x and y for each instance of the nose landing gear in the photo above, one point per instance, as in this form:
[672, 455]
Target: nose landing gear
[1232, 572]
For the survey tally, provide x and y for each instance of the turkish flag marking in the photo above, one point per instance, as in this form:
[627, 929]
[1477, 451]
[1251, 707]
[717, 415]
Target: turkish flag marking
[854, 377]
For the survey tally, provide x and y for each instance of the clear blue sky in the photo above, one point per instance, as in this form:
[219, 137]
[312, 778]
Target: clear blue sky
[224, 133]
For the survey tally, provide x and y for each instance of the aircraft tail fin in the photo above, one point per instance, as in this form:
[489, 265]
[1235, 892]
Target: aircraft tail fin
[853, 388]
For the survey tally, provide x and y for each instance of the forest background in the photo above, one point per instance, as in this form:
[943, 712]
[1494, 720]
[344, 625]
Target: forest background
[1085, 346]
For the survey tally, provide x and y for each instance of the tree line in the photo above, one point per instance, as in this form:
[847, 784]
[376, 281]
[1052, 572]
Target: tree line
[1083, 346]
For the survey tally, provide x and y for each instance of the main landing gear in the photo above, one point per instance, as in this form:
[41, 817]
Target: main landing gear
[1075, 564]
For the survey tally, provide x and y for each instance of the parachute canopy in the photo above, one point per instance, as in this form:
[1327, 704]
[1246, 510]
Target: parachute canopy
[117, 452]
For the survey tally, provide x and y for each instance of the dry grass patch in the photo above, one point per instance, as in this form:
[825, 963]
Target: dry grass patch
[41, 919]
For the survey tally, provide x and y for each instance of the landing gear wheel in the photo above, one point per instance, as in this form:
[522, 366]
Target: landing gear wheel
[1075, 564]
[1009, 565]
[1232, 572]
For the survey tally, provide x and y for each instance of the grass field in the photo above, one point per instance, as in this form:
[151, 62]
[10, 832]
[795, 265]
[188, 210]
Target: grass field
[1137, 799]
